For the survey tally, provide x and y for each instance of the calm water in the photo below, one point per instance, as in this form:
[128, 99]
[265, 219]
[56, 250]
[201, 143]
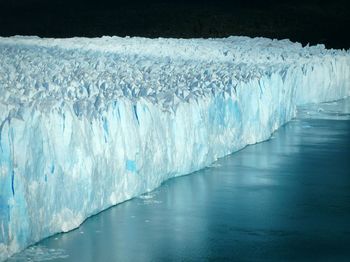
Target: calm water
[284, 199]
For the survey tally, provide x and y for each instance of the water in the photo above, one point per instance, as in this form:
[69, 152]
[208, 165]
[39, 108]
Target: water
[284, 199]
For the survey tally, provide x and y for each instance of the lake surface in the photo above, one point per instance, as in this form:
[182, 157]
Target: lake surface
[284, 199]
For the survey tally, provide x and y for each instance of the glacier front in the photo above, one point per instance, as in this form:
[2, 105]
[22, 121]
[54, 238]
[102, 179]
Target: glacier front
[88, 123]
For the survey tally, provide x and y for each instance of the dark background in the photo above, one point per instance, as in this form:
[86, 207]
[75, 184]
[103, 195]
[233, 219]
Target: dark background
[307, 21]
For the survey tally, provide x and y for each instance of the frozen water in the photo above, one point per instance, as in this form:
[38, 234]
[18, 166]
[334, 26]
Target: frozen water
[336, 110]
[89, 123]
[283, 200]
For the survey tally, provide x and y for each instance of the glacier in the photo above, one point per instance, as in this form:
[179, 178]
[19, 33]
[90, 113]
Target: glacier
[89, 123]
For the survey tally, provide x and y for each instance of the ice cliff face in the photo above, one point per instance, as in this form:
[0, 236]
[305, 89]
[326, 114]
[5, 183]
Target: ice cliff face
[89, 123]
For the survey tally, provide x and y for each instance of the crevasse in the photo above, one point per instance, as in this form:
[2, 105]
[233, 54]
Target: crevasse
[88, 123]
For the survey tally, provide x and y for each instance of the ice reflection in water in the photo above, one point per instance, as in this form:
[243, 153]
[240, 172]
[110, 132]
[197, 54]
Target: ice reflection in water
[39, 253]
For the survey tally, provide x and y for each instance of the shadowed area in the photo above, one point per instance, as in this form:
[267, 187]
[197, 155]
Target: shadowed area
[308, 21]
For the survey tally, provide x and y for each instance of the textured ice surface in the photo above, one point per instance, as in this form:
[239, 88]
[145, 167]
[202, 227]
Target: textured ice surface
[335, 110]
[89, 123]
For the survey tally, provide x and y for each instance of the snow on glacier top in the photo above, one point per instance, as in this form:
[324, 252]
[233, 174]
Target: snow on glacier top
[89, 73]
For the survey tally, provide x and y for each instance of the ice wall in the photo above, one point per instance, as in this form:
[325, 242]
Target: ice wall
[89, 123]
